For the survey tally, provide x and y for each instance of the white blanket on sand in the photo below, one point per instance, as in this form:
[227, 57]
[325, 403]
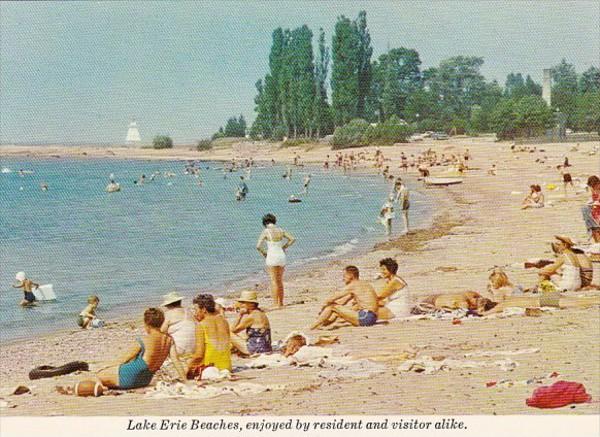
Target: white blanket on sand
[321, 357]
[428, 365]
[534, 350]
[191, 390]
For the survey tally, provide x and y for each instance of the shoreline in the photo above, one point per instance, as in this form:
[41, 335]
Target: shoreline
[467, 237]
[293, 273]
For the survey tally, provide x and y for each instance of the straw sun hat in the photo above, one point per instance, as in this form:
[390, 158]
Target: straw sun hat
[170, 298]
[565, 240]
[248, 296]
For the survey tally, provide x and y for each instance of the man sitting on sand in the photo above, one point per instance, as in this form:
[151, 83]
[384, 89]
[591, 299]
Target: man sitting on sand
[213, 342]
[361, 294]
[143, 360]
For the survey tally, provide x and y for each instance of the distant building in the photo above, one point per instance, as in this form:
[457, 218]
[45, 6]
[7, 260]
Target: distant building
[547, 86]
[133, 134]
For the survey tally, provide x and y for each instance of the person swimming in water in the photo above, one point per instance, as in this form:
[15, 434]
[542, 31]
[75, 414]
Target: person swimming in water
[307, 179]
[113, 187]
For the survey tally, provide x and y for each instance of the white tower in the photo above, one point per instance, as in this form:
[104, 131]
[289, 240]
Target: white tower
[547, 86]
[133, 134]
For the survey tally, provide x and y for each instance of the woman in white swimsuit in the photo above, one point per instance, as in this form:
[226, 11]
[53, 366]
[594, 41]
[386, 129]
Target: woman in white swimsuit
[567, 262]
[179, 324]
[277, 241]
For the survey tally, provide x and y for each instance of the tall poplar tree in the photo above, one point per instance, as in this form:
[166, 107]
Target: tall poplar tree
[364, 52]
[344, 72]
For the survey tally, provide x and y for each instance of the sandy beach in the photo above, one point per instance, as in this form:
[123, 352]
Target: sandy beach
[476, 225]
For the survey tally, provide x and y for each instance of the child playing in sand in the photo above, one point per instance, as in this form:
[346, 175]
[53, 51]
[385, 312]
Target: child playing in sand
[89, 313]
[28, 286]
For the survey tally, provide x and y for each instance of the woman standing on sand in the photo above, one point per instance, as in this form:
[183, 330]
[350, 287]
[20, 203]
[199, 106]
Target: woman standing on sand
[277, 241]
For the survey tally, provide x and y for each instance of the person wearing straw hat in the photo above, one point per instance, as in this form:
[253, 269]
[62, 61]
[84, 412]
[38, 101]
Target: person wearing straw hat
[178, 324]
[570, 278]
[255, 323]
[28, 286]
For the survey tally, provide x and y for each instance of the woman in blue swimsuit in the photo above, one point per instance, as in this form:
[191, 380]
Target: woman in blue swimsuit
[255, 322]
[145, 358]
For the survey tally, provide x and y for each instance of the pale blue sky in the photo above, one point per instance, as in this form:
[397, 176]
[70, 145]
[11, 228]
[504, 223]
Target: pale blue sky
[77, 72]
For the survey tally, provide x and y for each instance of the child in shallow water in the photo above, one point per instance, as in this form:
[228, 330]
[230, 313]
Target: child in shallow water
[28, 286]
[89, 312]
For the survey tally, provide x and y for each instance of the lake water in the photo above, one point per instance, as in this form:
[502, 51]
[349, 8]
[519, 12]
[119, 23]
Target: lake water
[132, 247]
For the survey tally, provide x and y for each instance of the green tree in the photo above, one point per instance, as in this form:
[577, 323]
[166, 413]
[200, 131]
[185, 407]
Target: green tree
[503, 119]
[401, 77]
[302, 87]
[532, 116]
[588, 111]
[589, 81]
[322, 120]
[459, 84]
[351, 134]
[364, 52]
[514, 85]
[422, 105]
[517, 87]
[344, 73]
[532, 88]
[162, 142]
[564, 90]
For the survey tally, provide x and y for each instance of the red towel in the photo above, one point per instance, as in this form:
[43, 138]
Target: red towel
[559, 394]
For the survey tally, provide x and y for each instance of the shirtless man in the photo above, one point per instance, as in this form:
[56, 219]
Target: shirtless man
[361, 294]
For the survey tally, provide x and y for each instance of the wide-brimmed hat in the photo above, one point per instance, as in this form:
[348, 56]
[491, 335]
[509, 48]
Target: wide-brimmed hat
[565, 240]
[20, 276]
[170, 298]
[248, 296]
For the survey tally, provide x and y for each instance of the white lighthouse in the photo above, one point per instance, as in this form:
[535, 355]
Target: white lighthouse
[133, 135]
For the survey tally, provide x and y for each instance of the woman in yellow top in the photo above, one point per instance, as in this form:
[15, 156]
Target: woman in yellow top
[213, 342]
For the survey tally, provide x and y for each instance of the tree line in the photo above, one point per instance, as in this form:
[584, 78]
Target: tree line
[309, 93]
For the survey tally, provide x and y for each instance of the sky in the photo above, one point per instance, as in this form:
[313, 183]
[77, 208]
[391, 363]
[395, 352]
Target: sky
[79, 72]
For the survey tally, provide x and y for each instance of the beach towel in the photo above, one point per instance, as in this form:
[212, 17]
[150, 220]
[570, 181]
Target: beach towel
[502, 353]
[428, 365]
[559, 394]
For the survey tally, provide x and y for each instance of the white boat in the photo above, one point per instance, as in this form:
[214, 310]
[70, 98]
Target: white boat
[442, 181]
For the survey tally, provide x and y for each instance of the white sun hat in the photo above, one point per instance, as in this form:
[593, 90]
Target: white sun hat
[20, 276]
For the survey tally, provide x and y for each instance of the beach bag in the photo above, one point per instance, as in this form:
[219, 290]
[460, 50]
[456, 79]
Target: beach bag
[559, 394]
